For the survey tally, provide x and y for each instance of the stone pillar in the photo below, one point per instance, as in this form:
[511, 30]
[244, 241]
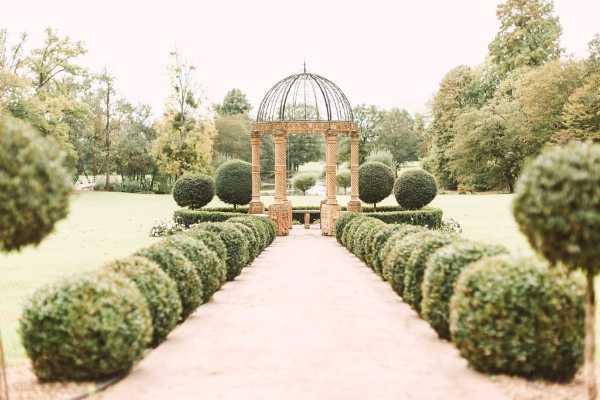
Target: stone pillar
[354, 204]
[278, 211]
[331, 209]
[256, 206]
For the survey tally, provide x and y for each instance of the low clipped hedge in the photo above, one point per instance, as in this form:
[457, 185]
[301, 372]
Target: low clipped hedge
[361, 237]
[214, 243]
[518, 317]
[89, 327]
[193, 190]
[187, 217]
[236, 244]
[212, 273]
[350, 229]
[427, 217]
[415, 267]
[443, 269]
[159, 291]
[174, 263]
[341, 223]
[396, 260]
[388, 252]
[379, 242]
[253, 240]
[259, 229]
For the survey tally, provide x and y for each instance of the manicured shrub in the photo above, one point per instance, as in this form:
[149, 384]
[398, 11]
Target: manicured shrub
[236, 243]
[373, 239]
[34, 185]
[516, 316]
[174, 263]
[557, 208]
[303, 182]
[193, 190]
[351, 229]
[214, 243]
[361, 237]
[187, 217]
[375, 182]
[341, 223]
[384, 259]
[206, 263]
[414, 189]
[88, 327]
[159, 291]
[415, 267]
[253, 245]
[233, 181]
[399, 248]
[259, 229]
[427, 217]
[443, 269]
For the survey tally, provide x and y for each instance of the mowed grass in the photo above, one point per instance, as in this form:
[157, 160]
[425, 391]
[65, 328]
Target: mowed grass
[104, 226]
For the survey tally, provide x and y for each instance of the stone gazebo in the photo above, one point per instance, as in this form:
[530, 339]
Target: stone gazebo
[304, 104]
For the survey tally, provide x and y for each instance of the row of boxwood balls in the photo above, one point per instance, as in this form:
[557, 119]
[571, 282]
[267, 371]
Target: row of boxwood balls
[232, 184]
[96, 325]
[414, 188]
[504, 314]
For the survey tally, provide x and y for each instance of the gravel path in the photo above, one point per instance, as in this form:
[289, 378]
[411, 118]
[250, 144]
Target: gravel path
[306, 321]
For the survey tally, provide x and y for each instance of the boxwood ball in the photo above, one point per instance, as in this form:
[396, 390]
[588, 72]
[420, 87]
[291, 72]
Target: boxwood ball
[194, 190]
[233, 180]
[557, 205]
[415, 189]
[375, 182]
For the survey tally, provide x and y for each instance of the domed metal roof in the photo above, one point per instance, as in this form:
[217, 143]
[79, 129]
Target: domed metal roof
[305, 97]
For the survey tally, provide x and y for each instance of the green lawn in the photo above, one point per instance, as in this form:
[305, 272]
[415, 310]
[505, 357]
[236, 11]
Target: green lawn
[103, 226]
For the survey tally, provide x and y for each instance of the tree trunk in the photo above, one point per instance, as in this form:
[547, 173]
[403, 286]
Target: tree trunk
[107, 132]
[590, 338]
[374, 206]
[3, 382]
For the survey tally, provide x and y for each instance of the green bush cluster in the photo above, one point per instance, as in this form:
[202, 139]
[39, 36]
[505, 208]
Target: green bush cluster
[193, 190]
[428, 217]
[517, 316]
[233, 181]
[376, 181]
[188, 217]
[96, 325]
[86, 328]
[34, 185]
[414, 189]
[505, 318]
[442, 270]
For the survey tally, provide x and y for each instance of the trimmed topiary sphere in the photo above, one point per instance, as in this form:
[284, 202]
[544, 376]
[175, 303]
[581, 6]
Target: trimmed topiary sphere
[159, 291]
[174, 263]
[394, 255]
[375, 182]
[341, 223]
[34, 185]
[236, 243]
[379, 241]
[194, 190]
[414, 189]
[214, 243]
[415, 267]
[211, 271]
[259, 229]
[442, 271]
[253, 245]
[361, 237]
[233, 180]
[557, 205]
[516, 316]
[89, 327]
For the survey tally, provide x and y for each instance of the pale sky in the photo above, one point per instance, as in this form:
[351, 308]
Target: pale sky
[388, 53]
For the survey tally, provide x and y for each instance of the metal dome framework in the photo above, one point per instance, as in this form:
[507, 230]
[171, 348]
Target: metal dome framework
[304, 103]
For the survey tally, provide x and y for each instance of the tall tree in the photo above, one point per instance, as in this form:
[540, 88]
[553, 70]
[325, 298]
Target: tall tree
[233, 136]
[581, 115]
[107, 93]
[185, 100]
[529, 34]
[234, 103]
[397, 135]
[368, 119]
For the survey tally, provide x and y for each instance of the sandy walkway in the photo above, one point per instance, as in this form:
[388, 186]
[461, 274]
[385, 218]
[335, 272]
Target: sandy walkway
[306, 321]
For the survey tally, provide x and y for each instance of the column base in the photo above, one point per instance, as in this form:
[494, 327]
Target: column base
[329, 214]
[354, 206]
[280, 213]
[256, 207]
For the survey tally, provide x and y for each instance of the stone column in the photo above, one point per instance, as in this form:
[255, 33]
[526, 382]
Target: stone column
[278, 211]
[256, 206]
[354, 204]
[331, 209]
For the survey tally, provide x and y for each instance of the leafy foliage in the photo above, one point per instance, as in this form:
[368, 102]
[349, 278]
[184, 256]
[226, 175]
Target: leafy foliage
[441, 273]
[415, 189]
[233, 181]
[376, 181]
[304, 181]
[89, 327]
[236, 243]
[516, 316]
[193, 191]
[395, 254]
[34, 186]
[159, 291]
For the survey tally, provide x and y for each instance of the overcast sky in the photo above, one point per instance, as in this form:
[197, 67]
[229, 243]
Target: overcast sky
[390, 53]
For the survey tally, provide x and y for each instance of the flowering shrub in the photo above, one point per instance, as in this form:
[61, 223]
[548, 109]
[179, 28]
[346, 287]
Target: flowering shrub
[165, 228]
